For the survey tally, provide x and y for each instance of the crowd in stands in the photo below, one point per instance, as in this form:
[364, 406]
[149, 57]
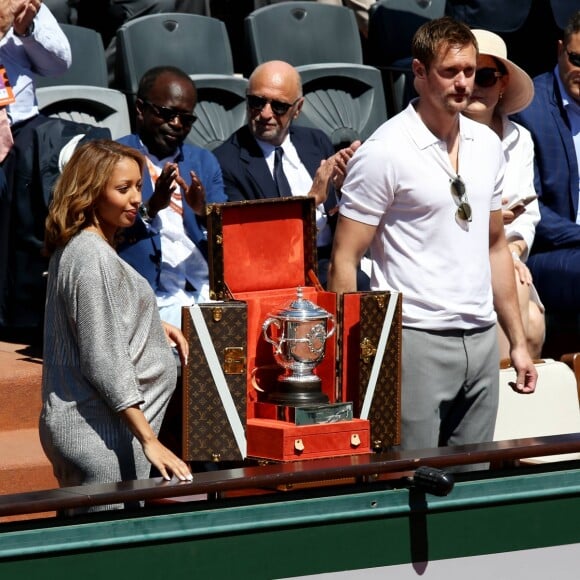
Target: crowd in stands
[36, 36]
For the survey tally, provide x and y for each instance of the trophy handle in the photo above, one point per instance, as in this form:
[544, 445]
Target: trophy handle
[267, 323]
[332, 320]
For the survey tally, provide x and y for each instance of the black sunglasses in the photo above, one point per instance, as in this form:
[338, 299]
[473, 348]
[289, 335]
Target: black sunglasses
[460, 195]
[278, 107]
[168, 114]
[574, 58]
[487, 77]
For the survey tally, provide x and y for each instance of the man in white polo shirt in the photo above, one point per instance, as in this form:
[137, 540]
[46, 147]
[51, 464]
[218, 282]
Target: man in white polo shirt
[424, 193]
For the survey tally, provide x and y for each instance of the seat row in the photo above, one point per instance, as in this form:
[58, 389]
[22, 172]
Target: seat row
[348, 91]
[343, 96]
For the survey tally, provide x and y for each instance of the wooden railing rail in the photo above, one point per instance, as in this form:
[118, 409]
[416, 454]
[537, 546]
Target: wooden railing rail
[273, 476]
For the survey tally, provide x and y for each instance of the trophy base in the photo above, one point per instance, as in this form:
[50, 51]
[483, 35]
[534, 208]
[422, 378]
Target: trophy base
[298, 393]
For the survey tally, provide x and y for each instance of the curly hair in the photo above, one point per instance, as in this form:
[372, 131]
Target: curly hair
[440, 33]
[83, 180]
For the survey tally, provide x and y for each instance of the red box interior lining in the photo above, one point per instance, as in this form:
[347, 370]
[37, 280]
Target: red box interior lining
[266, 257]
[262, 367]
[350, 338]
[262, 253]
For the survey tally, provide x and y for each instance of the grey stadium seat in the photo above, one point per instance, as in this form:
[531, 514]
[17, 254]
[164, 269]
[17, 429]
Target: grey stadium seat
[220, 110]
[194, 43]
[98, 106]
[89, 63]
[346, 101]
[302, 33]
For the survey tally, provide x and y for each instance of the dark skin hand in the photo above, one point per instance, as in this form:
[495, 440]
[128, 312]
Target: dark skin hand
[194, 193]
[165, 185]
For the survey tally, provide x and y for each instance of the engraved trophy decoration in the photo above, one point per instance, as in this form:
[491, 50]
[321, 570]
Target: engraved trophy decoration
[299, 345]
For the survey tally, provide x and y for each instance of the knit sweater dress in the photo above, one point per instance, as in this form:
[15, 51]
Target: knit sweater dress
[104, 351]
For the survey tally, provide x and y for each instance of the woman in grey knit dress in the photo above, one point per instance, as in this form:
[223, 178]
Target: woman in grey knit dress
[108, 370]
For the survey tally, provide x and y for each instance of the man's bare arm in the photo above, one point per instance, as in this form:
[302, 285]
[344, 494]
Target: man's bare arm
[351, 240]
[506, 305]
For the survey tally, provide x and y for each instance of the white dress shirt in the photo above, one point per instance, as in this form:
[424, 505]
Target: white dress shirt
[182, 261]
[45, 52]
[299, 180]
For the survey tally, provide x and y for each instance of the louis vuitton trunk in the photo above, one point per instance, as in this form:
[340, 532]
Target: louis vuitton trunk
[260, 253]
[214, 382]
[370, 362]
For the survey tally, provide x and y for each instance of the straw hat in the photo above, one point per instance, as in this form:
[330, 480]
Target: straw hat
[519, 91]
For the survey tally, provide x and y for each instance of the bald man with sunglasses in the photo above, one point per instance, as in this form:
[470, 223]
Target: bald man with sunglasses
[254, 158]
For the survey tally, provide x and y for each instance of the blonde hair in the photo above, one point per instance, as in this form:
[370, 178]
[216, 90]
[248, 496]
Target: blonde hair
[83, 180]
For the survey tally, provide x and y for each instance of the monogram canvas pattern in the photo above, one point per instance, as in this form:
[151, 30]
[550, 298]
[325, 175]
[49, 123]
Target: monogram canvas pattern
[207, 433]
[385, 410]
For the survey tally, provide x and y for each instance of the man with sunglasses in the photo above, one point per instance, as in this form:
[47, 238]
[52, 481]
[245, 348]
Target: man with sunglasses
[424, 193]
[270, 149]
[553, 119]
[168, 244]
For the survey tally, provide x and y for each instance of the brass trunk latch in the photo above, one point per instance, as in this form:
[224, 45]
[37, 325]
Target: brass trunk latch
[367, 349]
[234, 360]
[381, 300]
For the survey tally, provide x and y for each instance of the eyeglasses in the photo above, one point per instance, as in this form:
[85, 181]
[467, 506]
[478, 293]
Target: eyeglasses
[487, 77]
[278, 107]
[574, 58]
[168, 114]
[460, 196]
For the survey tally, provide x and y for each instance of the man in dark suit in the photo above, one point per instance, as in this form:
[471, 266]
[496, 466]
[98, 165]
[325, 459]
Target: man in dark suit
[553, 118]
[270, 157]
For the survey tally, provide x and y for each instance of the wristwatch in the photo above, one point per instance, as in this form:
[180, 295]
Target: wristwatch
[144, 213]
[28, 32]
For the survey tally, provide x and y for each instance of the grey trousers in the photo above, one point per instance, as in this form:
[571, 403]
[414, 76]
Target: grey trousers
[450, 387]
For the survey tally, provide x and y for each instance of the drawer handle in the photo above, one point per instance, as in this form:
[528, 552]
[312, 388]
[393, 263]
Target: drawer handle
[355, 440]
[299, 445]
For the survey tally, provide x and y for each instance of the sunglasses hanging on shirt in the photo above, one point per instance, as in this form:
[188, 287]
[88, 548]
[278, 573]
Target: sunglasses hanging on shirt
[460, 196]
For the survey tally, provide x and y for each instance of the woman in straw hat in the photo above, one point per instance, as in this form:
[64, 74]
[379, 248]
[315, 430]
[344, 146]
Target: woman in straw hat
[501, 89]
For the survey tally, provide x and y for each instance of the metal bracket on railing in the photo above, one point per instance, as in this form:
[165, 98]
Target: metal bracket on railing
[431, 480]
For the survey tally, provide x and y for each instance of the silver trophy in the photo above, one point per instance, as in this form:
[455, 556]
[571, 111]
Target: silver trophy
[299, 341]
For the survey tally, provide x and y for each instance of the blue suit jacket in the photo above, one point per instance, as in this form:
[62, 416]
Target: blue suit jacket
[556, 168]
[141, 245]
[245, 172]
